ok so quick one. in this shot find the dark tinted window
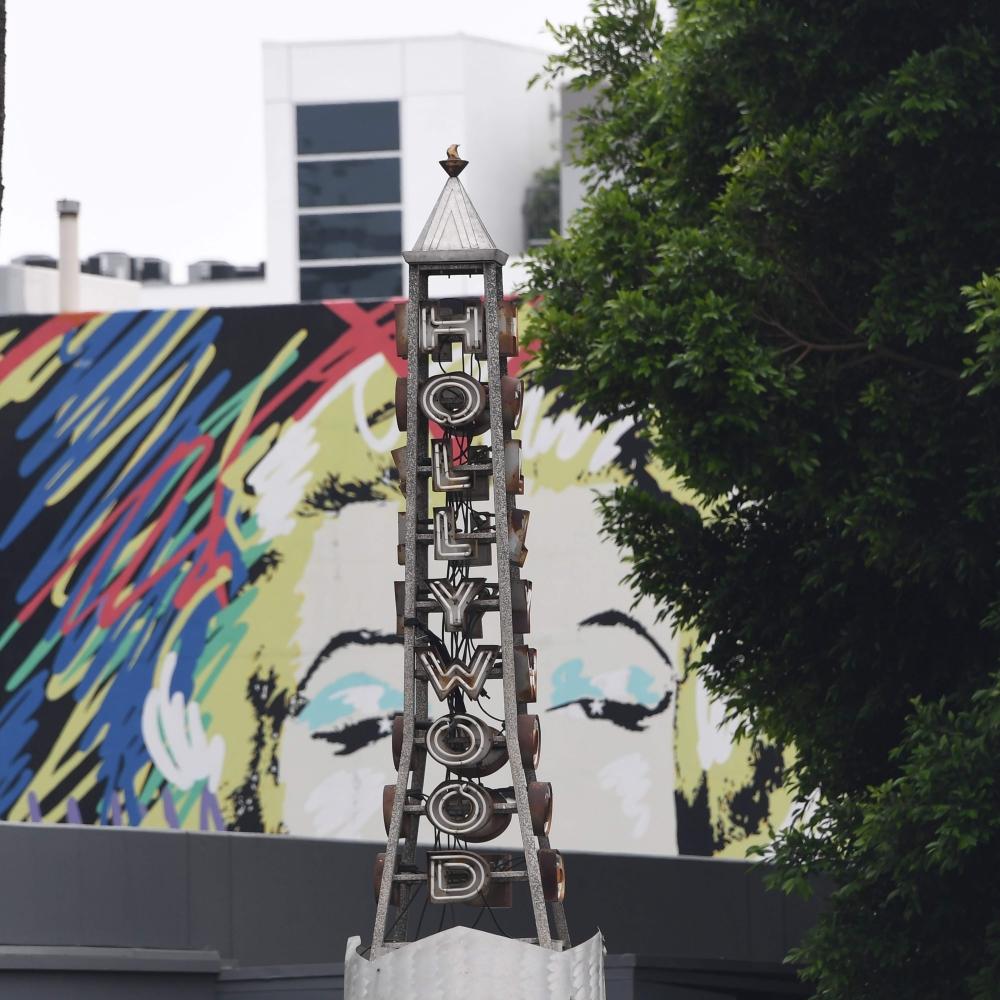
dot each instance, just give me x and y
(348, 128)
(350, 234)
(348, 182)
(357, 281)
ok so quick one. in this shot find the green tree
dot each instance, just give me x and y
(785, 267)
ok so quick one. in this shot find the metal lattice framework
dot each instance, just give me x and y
(464, 622)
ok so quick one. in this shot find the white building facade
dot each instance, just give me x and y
(353, 131)
(32, 289)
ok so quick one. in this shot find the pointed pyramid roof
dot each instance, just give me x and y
(454, 231)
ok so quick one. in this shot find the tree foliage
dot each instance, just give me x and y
(787, 268)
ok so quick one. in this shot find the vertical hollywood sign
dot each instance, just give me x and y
(463, 609)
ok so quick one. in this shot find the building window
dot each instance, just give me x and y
(348, 128)
(350, 194)
(355, 281)
(325, 183)
(349, 234)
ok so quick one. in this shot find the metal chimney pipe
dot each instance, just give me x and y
(69, 255)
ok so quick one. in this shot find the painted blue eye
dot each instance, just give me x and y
(348, 695)
(569, 683)
(640, 686)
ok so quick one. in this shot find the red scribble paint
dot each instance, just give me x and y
(57, 326)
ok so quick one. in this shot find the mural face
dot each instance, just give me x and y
(198, 543)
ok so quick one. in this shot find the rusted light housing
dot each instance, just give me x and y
(490, 764)
(520, 605)
(529, 739)
(525, 674)
(540, 807)
(514, 481)
(388, 798)
(511, 400)
(553, 872)
(508, 329)
(401, 337)
(399, 460)
(517, 531)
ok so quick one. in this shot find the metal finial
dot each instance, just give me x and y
(454, 165)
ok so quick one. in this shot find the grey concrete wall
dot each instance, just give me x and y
(99, 912)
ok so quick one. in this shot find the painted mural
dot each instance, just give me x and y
(197, 550)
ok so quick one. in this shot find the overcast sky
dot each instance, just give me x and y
(150, 113)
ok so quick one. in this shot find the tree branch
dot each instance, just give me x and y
(886, 353)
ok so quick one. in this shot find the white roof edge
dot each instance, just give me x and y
(402, 39)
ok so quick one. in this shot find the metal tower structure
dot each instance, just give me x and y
(463, 609)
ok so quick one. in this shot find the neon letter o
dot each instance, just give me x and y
(453, 400)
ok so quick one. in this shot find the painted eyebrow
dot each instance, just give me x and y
(613, 618)
(333, 494)
(358, 637)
